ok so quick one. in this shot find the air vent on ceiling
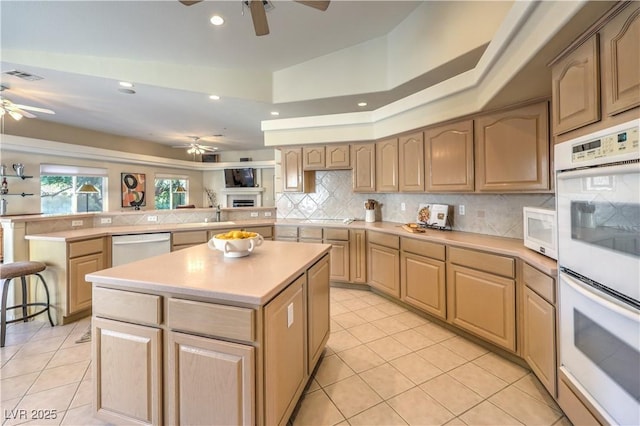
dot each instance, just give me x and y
(24, 75)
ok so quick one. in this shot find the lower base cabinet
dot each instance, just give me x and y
(210, 381)
(423, 283)
(539, 345)
(128, 371)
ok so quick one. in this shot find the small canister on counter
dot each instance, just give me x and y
(370, 210)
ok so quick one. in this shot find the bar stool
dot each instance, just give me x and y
(13, 270)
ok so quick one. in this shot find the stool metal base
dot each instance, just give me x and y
(24, 305)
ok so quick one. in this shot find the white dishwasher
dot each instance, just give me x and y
(129, 248)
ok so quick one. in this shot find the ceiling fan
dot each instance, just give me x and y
(17, 111)
(259, 15)
(196, 148)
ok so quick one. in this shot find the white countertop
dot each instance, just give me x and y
(202, 272)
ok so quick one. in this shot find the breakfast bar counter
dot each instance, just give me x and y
(194, 337)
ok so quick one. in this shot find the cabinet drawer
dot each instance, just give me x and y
(391, 241)
(336, 234)
(189, 237)
(127, 306)
(265, 231)
(286, 231)
(423, 248)
(310, 232)
(541, 283)
(80, 248)
(212, 319)
(491, 263)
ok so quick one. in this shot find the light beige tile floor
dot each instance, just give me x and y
(383, 365)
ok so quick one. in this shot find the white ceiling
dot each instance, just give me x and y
(176, 59)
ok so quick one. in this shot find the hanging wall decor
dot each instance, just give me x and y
(133, 190)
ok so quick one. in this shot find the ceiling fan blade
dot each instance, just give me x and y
(320, 5)
(34, 109)
(259, 17)
(24, 113)
(189, 2)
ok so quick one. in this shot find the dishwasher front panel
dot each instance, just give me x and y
(129, 248)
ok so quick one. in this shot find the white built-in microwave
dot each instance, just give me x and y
(540, 231)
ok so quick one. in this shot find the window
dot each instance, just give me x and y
(71, 189)
(171, 191)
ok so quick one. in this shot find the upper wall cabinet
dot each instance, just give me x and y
(363, 161)
(387, 165)
(411, 163)
(293, 177)
(621, 61)
(512, 150)
(326, 157)
(576, 88)
(449, 157)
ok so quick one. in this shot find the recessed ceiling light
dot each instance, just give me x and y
(275, 113)
(362, 104)
(214, 97)
(217, 20)
(126, 84)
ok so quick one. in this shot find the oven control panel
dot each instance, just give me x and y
(621, 142)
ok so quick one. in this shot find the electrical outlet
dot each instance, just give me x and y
(254, 214)
(267, 214)
(461, 209)
(403, 207)
(105, 220)
(77, 222)
(152, 218)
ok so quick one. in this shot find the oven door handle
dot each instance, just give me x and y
(601, 298)
(615, 169)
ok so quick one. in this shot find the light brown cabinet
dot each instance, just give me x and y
(387, 165)
(539, 326)
(512, 150)
(329, 157)
(130, 389)
(621, 61)
(411, 163)
(185, 239)
(317, 311)
(340, 253)
(576, 88)
(383, 256)
(210, 381)
(481, 295)
(423, 277)
(357, 256)
(294, 178)
(79, 288)
(313, 158)
(363, 161)
(449, 165)
(265, 231)
(284, 352)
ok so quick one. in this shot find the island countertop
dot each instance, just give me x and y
(202, 272)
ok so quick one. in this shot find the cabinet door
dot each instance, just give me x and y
(127, 372)
(512, 150)
(539, 342)
(292, 170)
(317, 310)
(423, 284)
(284, 352)
(449, 158)
(621, 61)
(339, 260)
(387, 165)
(79, 288)
(575, 88)
(411, 163)
(357, 256)
(337, 157)
(384, 269)
(364, 167)
(313, 158)
(482, 303)
(210, 381)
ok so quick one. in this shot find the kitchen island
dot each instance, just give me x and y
(193, 337)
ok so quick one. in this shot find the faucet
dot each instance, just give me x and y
(218, 213)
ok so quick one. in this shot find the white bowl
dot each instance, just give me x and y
(238, 247)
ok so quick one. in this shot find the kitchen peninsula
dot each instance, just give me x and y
(193, 337)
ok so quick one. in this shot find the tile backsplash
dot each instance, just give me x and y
(492, 214)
